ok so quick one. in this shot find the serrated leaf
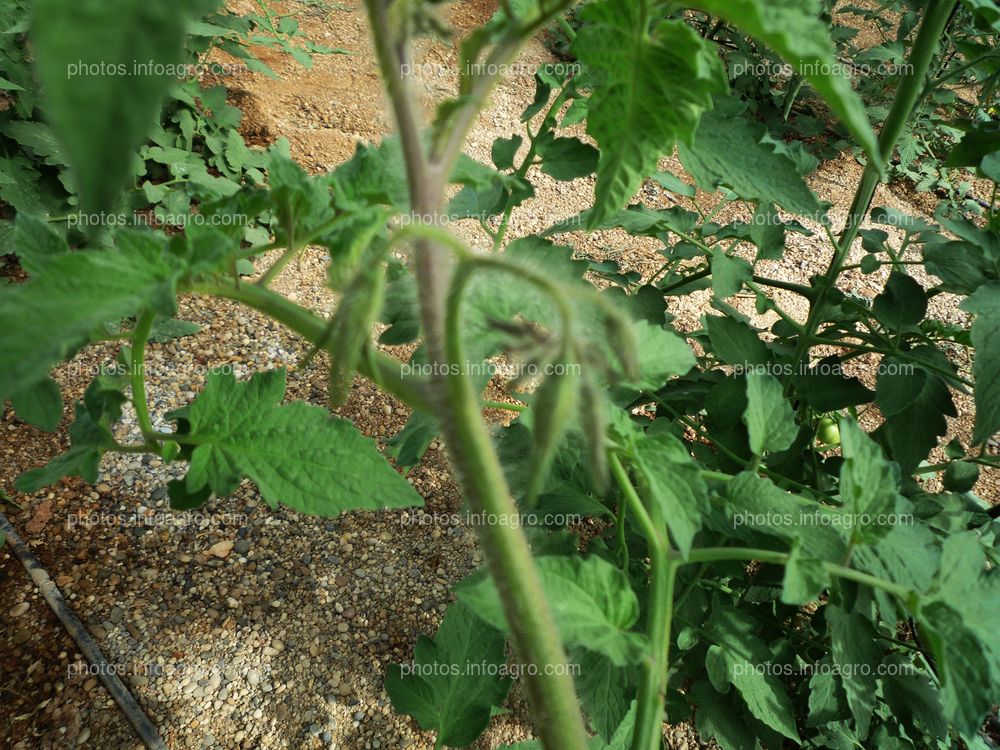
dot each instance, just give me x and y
(673, 481)
(857, 655)
(804, 578)
(448, 687)
(90, 436)
(759, 505)
(759, 174)
(408, 446)
(591, 600)
(735, 342)
(102, 118)
(653, 89)
(729, 273)
(297, 454)
(747, 659)
(794, 29)
(902, 303)
(36, 242)
(606, 690)
(719, 718)
(867, 485)
(914, 403)
(37, 327)
(168, 329)
(769, 417)
(985, 305)
(568, 158)
(40, 404)
(962, 266)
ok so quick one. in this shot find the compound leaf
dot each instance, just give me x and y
(297, 454)
(440, 690)
(654, 87)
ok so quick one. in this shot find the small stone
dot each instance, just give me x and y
(221, 549)
(116, 614)
(19, 609)
(83, 736)
(242, 546)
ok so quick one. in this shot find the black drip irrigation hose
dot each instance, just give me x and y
(88, 646)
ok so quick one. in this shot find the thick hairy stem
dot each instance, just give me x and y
(551, 693)
(536, 641)
(922, 54)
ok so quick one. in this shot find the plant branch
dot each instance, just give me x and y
(137, 371)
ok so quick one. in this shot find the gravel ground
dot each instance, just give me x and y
(239, 626)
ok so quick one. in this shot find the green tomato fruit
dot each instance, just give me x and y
(829, 432)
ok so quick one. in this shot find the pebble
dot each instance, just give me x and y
(19, 609)
(241, 546)
(221, 549)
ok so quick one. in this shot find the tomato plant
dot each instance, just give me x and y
(739, 576)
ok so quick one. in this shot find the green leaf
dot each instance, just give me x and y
(568, 158)
(857, 656)
(720, 718)
(826, 392)
(759, 174)
(167, 329)
(101, 105)
(504, 150)
(454, 682)
(410, 444)
(794, 29)
(735, 342)
(36, 242)
(592, 603)
(962, 266)
(903, 302)
(960, 476)
(40, 405)
(674, 482)
(769, 417)
(605, 690)
(748, 659)
(914, 403)
(907, 555)
(357, 311)
(661, 354)
(804, 578)
(867, 485)
(38, 329)
(729, 273)
(758, 505)
(297, 454)
(985, 305)
(653, 88)
(826, 698)
(90, 436)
